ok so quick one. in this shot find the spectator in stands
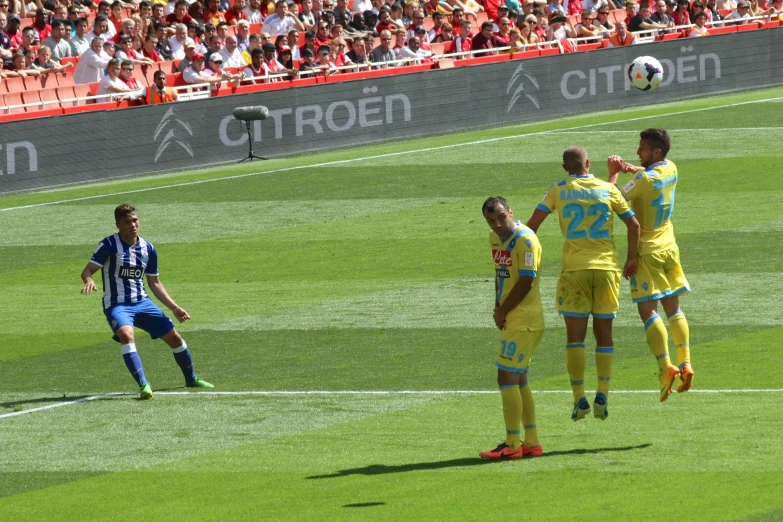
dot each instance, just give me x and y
(158, 92)
(243, 35)
(383, 53)
(115, 15)
(190, 50)
(540, 25)
(6, 47)
(99, 29)
(643, 22)
(699, 28)
(149, 49)
(337, 31)
(178, 41)
(126, 75)
(282, 21)
(280, 40)
(237, 13)
(358, 27)
(631, 10)
(128, 27)
(215, 68)
(371, 20)
(660, 16)
(559, 29)
(463, 43)
(112, 84)
(215, 45)
(270, 64)
(457, 16)
(358, 53)
(213, 15)
(712, 9)
(503, 32)
(109, 48)
(79, 42)
(285, 58)
(434, 6)
(486, 40)
(575, 7)
(384, 21)
(60, 48)
(28, 41)
(602, 23)
(253, 12)
(775, 12)
(681, 16)
(555, 8)
(622, 36)
(157, 14)
(12, 70)
(322, 35)
(293, 43)
(232, 56)
(306, 15)
(526, 32)
(61, 14)
(255, 68)
(414, 52)
(41, 26)
(513, 18)
(341, 8)
(360, 6)
(197, 74)
(742, 14)
(196, 33)
(515, 42)
(222, 30)
(395, 15)
(594, 6)
(180, 14)
(418, 21)
(309, 43)
(446, 33)
(697, 7)
(585, 27)
(491, 8)
(308, 67)
(127, 52)
(338, 56)
(45, 64)
(163, 48)
(472, 6)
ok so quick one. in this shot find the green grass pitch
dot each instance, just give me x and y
(365, 273)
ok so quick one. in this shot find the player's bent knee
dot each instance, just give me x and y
(125, 334)
(173, 339)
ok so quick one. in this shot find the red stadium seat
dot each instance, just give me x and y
(551, 51)
(13, 85)
(588, 46)
(64, 79)
(750, 26)
(256, 28)
(81, 92)
(70, 59)
(66, 96)
(444, 63)
(671, 36)
(13, 98)
(533, 53)
(618, 15)
(722, 30)
(438, 48)
(32, 97)
(50, 95)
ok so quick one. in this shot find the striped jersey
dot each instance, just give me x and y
(651, 194)
(123, 268)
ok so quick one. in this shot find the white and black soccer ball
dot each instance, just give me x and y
(645, 73)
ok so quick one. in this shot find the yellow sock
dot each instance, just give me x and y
(512, 414)
(529, 416)
(604, 357)
(575, 358)
(658, 340)
(681, 335)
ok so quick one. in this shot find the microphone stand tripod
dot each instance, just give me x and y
(250, 155)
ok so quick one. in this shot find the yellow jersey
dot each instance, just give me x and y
(519, 255)
(651, 194)
(584, 206)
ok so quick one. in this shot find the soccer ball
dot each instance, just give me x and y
(645, 73)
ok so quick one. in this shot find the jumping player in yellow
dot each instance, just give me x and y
(659, 277)
(590, 277)
(520, 319)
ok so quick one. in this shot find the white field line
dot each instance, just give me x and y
(355, 392)
(391, 154)
(732, 129)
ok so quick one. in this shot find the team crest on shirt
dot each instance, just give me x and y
(528, 243)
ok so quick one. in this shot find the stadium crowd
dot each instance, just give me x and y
(251, 41)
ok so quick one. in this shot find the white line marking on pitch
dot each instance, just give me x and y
(349, 392)
(390, 154)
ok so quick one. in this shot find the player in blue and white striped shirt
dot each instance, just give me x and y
(124, 259)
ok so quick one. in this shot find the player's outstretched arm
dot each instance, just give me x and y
(634, 233)
(89, 284)
(159, 291)
(536, 219)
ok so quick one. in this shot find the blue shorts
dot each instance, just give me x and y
(145, 315)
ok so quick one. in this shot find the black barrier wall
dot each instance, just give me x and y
(90, 146)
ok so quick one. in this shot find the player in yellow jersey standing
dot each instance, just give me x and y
(520, 319)
(660, 277)
(589, 281)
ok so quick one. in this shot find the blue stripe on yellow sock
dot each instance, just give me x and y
(604, 350)
(650, 321)
(684, 364)
(512, 432)
(669, 316)
(506, 386)
(577, 383)
(662, 356)
(530, 426)
(575, 345)
(604, 378)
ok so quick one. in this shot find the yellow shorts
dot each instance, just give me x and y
(659, 276)
(516, 349)
(584, 292)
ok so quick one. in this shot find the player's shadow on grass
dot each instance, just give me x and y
(382, 469)
(24, 402)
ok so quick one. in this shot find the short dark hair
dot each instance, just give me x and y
(158, 74)
(492, 203)
(486, 25)
(57, 23)
(123, 210)
(658, 139)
